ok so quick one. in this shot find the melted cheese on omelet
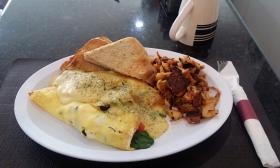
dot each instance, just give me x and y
(123, 94)
(116, 131)
(76, 97)
(93, 87)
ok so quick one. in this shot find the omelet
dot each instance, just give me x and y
(104, 106)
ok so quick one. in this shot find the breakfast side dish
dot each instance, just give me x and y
(113, 93)
(185, 89)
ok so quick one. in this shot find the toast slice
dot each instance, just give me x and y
(77, 61)
(126, 56)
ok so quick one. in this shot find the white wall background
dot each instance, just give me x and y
(262, 18)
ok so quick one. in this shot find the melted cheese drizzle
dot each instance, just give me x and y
(122, 93)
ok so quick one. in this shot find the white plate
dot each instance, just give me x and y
(61, 138)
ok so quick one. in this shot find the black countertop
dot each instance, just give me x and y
(40, 31)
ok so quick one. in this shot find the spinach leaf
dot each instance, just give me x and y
(162, 115)
(141, 140)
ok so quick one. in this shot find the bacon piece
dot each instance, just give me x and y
(193, 117)
(197, 100)
(187, 108)
(177, 82)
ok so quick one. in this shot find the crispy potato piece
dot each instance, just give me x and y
(209, 107)
(174, 114)
(161, 85)
(162, 75)
(166, 67)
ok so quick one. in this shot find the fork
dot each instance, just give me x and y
(247, 113)
(221, 64)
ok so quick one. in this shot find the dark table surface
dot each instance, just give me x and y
(33, 33)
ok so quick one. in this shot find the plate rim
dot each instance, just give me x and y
(137, 155)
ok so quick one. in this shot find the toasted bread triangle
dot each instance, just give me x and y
(77, 61)
(126, 56)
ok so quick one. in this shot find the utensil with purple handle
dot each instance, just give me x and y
(247, 113)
